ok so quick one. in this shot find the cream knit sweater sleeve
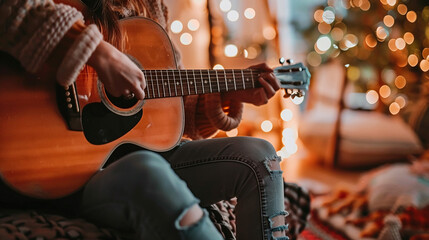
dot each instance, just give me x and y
(31, 29)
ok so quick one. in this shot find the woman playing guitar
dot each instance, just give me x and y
(154, 191)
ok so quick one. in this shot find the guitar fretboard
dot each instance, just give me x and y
(173, 83)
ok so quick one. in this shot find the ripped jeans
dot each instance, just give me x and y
(147, 193)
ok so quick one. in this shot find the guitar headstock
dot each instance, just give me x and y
(294, 78)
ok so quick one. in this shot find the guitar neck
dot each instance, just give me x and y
(174, 83)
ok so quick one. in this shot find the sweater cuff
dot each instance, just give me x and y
(206, 115)
(78, 54)
(223, 115)
(46, 38)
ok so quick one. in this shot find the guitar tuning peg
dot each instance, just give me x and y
(282, 60)
(288, 93)
(289, 61)
(298, 93)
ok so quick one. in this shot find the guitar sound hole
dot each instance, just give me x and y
(122, 102)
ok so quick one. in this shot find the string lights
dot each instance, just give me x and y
(373, 37)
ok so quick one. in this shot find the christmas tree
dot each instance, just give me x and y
(383, 43)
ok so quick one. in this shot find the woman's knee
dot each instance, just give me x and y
(137, 169)
(258, 151)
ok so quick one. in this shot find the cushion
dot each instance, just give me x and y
(367, 138)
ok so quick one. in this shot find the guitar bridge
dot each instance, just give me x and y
(68, 106)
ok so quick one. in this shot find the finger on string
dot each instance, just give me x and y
(274, 81)
(268, 88)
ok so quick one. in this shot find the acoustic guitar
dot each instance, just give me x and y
(53, 139)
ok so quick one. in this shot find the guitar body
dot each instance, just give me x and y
(41, 157)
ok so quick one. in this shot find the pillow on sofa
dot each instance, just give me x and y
(367, 138)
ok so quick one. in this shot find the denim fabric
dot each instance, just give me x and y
(147, 192)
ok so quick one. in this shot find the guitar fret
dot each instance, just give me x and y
(210, 83)
(202, 81)
(157, 85)
(217, 80)
(233, 76)
(181, 83)
(168, 83)
(177, 83)
(226, 82)
(242, 75)
(253, 80)
(163, 84)
(187, 80)
(195, 82)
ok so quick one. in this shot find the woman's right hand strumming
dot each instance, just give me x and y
(120, 76)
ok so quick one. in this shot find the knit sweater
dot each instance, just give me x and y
(40, 32)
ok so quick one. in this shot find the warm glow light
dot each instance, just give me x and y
(381, 33)
(425, 53)
(269, 33)
(186, 38)
(232, 133)
(231, 50)
(176, 26)
(314, 59)
(193, 24)
(218, 67)
(267, 126)
(291, 148)
(225, 5)
(385, 91)
(286, 115)
(353, 73)
(297, 100)
(199, 2)
(394, 108)
(249, 13)
(392, 45)
(318, 15)
(366, 5)
(400, 82)
(401, 101)
(245, 53)
(413, 60)
(409, 38)
(324, 28)
(388, 21)
(370, 41)
(356, 3)
(351, 40)
(337, 34)
(328, 16)
(290, 134)
(371, 97)
(391, 2)
(252, 52)
(323, 43)
(400, 43)
(232, 15)
(424, 65)
(411, 16)
(402, 9)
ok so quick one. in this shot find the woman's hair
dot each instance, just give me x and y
(106, 14)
